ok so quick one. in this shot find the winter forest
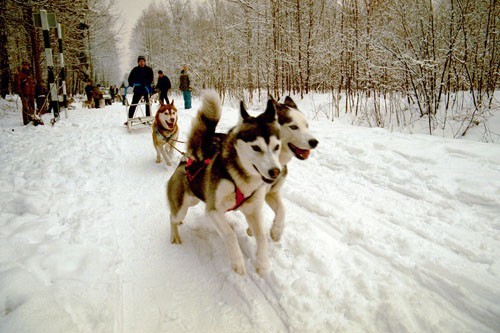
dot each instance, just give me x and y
(383, 62)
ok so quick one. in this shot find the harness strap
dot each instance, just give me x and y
(193, 168)
(240, 199)
(161, 134)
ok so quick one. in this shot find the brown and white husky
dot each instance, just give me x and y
(165, 132)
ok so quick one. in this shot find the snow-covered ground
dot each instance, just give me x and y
(385, 232)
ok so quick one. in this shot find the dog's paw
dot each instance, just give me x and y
(262, 269)
(239, 268)
(175, 239)
(276, 233)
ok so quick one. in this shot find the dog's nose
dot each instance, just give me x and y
(274, 173)
(313, 143)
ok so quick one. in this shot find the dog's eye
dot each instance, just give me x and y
(277, 148)
(256, 148)
(294, 127)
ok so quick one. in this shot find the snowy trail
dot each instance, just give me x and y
(385, 232)
(142, 233)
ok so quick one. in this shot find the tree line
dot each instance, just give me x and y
(425, 52)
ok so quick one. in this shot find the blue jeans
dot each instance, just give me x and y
(186, 94)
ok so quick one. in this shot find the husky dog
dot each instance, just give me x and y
(235, 173)
(165, 132)
(88, 104)
(296, 141)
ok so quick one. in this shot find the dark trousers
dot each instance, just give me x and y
(135, 99)
(96, 103)
(163, 98)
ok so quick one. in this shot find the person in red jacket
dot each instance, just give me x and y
(24, 86)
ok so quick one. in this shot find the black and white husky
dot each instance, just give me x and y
(232, 171)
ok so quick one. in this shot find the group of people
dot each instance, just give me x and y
(113, 92)
(141, 79)
(95, 94)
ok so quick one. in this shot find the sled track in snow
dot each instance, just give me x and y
(264, 285)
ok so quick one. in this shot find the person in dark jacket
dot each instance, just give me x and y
(163, 85)
(97, 96)
(88, 91)
(141, 78)
(185, 87)
(24, 85)
(123, 94)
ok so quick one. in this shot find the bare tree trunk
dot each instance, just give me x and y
(299, 47)
(4, 55)
(309, 41)
(276, 37)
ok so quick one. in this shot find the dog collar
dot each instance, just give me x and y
(161, 134)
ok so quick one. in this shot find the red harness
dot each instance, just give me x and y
(193, 168)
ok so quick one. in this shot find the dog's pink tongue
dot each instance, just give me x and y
(303, 153)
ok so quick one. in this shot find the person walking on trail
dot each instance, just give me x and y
(88, 91)
(141, 78)
(112, 92)
(185, 87)
(97, 96)
(24, 86)
(122, 93)
(163, 85)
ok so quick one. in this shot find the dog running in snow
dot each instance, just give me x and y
(165, 132)
(232, 171)
(296, 141)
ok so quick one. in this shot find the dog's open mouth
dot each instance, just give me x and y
(168, 124)
(266, 180)
(301, 154)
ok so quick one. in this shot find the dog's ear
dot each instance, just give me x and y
(172, 103)
(243, 112)
(290, 103)
(270, 112)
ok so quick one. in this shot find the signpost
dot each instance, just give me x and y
(63, 72)
(46, 21)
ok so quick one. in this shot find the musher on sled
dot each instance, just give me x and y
(141, 78)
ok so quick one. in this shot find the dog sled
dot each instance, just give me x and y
(142, 120)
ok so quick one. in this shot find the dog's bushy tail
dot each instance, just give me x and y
(202, 139)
